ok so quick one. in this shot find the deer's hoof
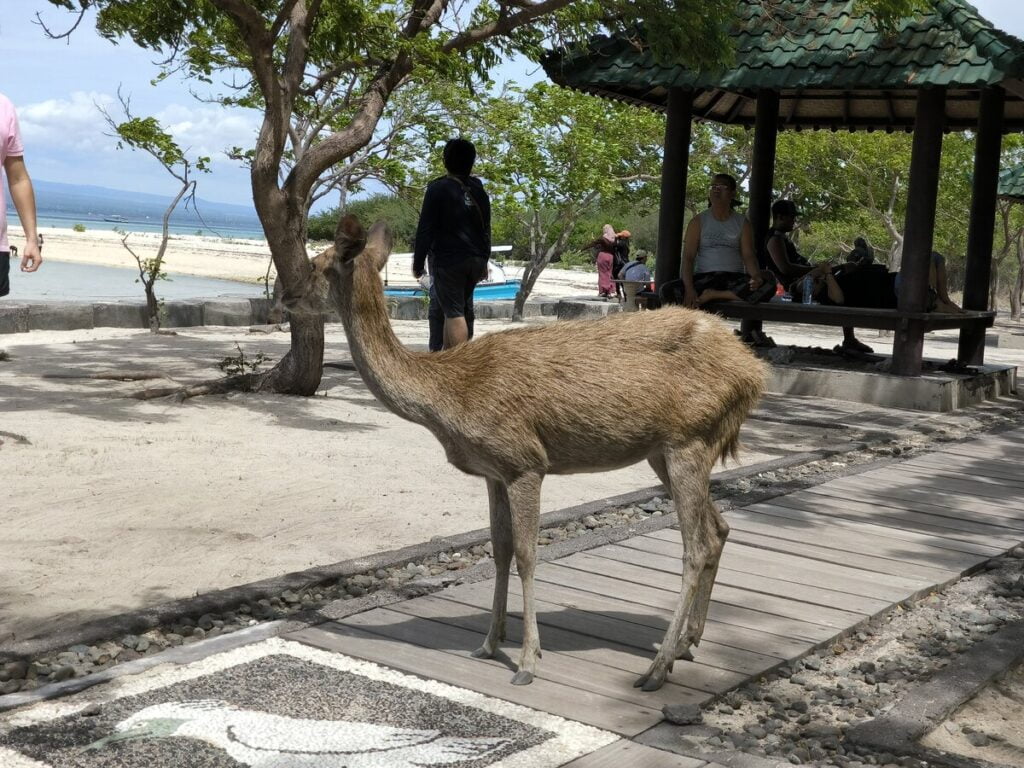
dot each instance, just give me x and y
(649, 681)
(686, 655)
(522, 677)
(483, 652)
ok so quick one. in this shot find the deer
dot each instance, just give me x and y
(515, 405)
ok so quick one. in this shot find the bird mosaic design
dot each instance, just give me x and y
(263, 740)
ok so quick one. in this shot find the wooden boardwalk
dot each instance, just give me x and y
(797, 572)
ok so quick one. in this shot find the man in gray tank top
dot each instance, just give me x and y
(718, 253)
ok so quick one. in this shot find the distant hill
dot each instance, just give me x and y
(92, 202)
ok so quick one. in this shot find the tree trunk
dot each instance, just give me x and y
(299, 372)
(1016, 295)
(993, 290)
(152, 307)
(530, 275)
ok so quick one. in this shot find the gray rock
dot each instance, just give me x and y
(978, 739)
(11, 686)
(63, 673)
(683, 714)
(16, 670)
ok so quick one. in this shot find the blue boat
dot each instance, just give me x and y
(503, 291)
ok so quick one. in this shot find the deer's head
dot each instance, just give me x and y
(356, 249)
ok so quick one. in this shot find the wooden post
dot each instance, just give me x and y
(674, 166)
(980, 231)
(919, 227)
(762, 169)
(762, 179)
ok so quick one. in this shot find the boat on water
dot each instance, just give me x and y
(505, 290)
(116, 218)
(496, 287)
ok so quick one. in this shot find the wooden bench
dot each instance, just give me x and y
(856, 317)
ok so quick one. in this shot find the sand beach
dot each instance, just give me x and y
(241, 260)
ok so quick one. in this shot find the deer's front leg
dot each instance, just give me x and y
(501, 542)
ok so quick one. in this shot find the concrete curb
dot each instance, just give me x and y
(21, 317)
(928, 704)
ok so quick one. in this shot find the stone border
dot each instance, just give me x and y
(22, 317)
(930, 703)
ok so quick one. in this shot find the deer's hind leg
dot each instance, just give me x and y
(688, 470)
(501, 542)
(524, 499)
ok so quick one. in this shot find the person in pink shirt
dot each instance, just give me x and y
(12, 160)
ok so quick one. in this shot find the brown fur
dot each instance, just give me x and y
(672, 387)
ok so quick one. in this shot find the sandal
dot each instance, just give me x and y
(854, 345)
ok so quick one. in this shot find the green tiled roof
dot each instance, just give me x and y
(1011, 183)
(830, 64)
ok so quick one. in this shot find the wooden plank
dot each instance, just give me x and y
(860, 317)
(765, 630)
(620, 631)
(962, 482)
(916, 489)
(885, 520)
(825, 573)
(606, 666)
(485, 676)
(970, 464)
(664, 578)
(757, 578)
(760, 536)
(992, 527)
(629, 754)
(837, 532)
(665, 588)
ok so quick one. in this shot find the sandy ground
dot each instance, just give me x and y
(242, 260)
(998, 711)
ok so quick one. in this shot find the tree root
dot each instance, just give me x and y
(243, 382)
(110, 375)
(19, 439)
(344, 365)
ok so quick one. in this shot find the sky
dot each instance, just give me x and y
(56, 85)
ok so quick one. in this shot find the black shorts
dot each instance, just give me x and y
(738, 283)
(5, 272)
(453, 284)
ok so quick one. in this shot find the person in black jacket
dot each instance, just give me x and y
(454, 234)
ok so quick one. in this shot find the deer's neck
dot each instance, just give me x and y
(395, 376)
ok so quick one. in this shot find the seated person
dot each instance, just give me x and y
(637, 271)
(938, 286)
(718, 254)
(788, 263)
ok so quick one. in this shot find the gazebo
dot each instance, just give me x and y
(822, 64)
(1011, 184)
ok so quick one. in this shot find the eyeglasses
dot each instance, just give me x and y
(720, 188)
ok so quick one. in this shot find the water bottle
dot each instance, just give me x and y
(807, 290)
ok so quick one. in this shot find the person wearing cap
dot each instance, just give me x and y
(637, 271)
(791, 266)
(786, 261)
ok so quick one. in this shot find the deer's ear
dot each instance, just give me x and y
(349, 237)
(379, 242)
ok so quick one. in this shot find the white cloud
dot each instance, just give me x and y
(76, 124)
(66, 124)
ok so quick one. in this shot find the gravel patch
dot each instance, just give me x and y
(802, 713)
